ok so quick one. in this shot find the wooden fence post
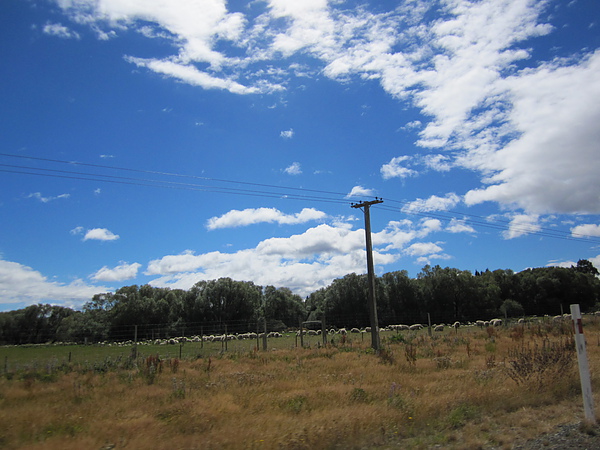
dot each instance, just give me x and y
(265, 334)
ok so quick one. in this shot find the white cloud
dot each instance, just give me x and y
(236, 218)
(433, 203)
(552, 166)
(459, 226)
(288, 134)
(293, 169)
(191, 75)
(586, 230)
(394, 169)
(521, 225)
(439, 163)
(303, 262)
(22, 284)
(100, 234)
(423, 248)
(121, 272)
(77, 230)
(530, 133)
(42, 199)
(58, 30)
(359, 191)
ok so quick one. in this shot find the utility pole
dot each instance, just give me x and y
(364, 206)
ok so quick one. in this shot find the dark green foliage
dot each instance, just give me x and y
(445, 295)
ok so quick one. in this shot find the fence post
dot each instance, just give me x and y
(324, 331)
(265, 334)
(429, 324)
(301, 335)
(584, 370)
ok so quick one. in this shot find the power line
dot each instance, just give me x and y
(266, 191)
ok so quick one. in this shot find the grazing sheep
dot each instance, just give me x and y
(438, 328)
(354, 330)
(456, 325)
(496, 322)
(415, 327)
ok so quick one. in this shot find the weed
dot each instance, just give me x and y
(410, 352)
(534, 367)
(460, 415)
(490, 346)
(61, 429)
(484, 376)
(174, 363)
(296, 404)
(152, 368)
(359, 395)
(442, 362)
(517, 333)
(386, 356)
(398, 339)
(178, 388)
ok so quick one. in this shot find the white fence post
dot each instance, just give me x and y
(584, 370)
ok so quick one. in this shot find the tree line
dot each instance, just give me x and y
(441, 295)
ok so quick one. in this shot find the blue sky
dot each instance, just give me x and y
(172, 142)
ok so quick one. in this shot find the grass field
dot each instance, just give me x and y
(466, 388)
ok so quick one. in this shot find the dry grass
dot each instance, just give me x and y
(453, 391)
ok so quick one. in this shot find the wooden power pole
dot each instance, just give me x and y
(370, 271)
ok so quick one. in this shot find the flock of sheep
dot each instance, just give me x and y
(330, 332)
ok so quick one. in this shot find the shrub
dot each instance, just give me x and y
(537, 366)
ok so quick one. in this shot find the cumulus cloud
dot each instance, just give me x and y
(22, 284)
(459, 226)
(293, 169)
(439, 163)
(521, 225)
(586, 230)
(433, 203)
(552, 166)
(250, 216)
(423, 248)
(529, 133)
(123, 271)
(303, 262)
(395, 169)
(359, 191)
(99, 234)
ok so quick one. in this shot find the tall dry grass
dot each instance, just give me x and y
(453, 389)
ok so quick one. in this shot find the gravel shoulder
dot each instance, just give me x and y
(569, 436)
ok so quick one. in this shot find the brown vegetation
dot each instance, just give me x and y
(466, 389)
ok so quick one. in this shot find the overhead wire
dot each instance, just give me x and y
(274, 191)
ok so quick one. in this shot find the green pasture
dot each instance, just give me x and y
(23, 357)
